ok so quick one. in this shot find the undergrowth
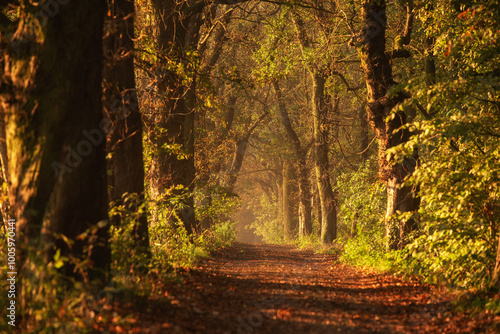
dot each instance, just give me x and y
(53, 303)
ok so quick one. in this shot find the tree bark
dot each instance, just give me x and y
(287, 205)
(4, 176)
(495, 281)
(317, 208)
(56, 136)
(326, 195)
(305, 210)
(319, 110)
(124, 142)
(236, 163)
(218, 41)
(172, 172)
(377, 71)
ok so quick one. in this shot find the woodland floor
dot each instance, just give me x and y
(252, 288)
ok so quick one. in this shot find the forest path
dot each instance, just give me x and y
(254, 288)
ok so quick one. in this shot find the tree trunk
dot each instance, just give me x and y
(287, 205)
(4, 175)
(279, 195)
(172, 172)
(400, 199)
(495, 281)
(121, 107)
(305, 211)
(240, 149)
(377, 71)
(316, 206)
(363, 134)
(305, 207)
(326, 196)
(319, 110)
(55, 135)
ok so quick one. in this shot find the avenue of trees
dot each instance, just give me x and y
(371, 123)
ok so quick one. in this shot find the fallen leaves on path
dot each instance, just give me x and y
(252, 288)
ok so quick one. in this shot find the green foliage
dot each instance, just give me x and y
(459, 176)
(362, 201)
(123, 238)
(46, 300)
(367, 250)
(360, 221)
(277, 56)
(221, 205)
(55, 303)
(314, 243)
(172, 246)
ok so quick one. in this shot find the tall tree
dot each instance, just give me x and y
(51, 102)
(305, 221)
(122, 109)
(386, 121)
(171, 132)
(319, 75)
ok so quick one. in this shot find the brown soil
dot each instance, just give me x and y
(252, 288)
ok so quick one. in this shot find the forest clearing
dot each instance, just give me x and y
(249, 166)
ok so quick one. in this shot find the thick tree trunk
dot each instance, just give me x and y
(122, 109)
(326, 195)
(56, 136)
(400, 199)
(377, 71)
(172, 171)
(305, 210)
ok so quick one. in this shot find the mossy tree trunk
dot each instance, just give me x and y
(56, 134)
(376, 65)
(171, 126)
(325, 191)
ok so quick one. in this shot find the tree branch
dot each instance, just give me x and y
(409, 23)
(344, 80)
(254, 125)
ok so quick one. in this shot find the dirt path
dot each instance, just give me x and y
(276, 289)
